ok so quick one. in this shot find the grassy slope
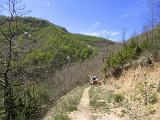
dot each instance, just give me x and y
(67, 104)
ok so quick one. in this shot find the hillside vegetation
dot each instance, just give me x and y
(45, 43)
(47, 62)
(146, 44)
(132, 79)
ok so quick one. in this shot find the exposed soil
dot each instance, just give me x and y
(84, 112)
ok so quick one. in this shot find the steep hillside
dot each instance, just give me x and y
(45, 43)
(47, 62)
(46, 47)
(139, 88)
(146, 44)
(132, 78)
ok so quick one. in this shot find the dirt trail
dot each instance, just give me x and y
(84, 112)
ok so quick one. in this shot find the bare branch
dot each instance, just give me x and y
(2, 82)
(154, 7)
(124, 41)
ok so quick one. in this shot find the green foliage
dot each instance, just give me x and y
(153, 98)
(61, 117)
(147, 44)
(67, 103)
(115, 97)
(147, 91)
(47, 44)
(97, 104)
(110, 97)
(118, 98)
(28, 106)
(151, 109)
(38, 56)
(42, 45)
(98, 99)
(149, 41)
(129, 52)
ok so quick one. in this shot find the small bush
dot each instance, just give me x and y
(115, 97)
(117, 72)
(147, 92)
(61, 117)
(118, 98)
(29, 106)
(97, 104)
(93, 102)
(129, 52)
(151, 109)
(153, 98)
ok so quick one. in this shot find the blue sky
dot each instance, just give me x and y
(105, 18)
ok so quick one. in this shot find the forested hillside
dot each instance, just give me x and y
(47, 44)
(44, 68)
(47, 61)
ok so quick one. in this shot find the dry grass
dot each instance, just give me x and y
(66, 104)
(105, 100)
(98, 99)
(139, 85)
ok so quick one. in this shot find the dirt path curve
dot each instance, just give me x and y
(83, 112)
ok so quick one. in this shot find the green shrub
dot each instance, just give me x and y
(118, 98)
(151, 109)
(151, 41)
(147, 91)
(129, 52)
(28, 106)
(61, 117)
(153, 98)
(97, 104)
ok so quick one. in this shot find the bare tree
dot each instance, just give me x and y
(124, 41)
(10, 35)
(154, 19)
(152, 9)
(158, 9)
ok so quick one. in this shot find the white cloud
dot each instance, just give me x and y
(125, 15)
(94, 26)
(90, 33)
(97, 24)
(103, 33)
(115, 33)
(97, 29)
(48, 3)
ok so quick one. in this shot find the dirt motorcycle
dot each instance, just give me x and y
(94, 82)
